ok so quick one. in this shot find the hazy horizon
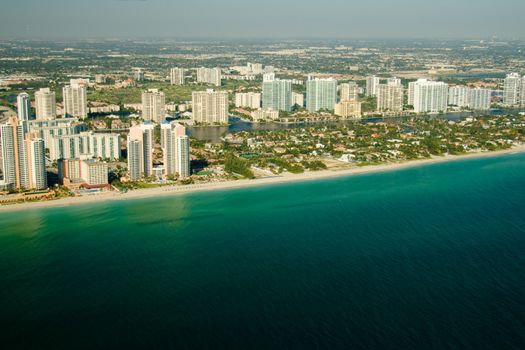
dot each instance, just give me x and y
(271, 19)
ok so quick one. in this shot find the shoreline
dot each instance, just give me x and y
(237, 184)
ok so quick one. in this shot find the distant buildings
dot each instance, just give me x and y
(140, 151)
(321, 94)
(75, 100)
(138, 75)
(209, 76)
(248, 99)
(430, 96)
(100, 79)
(465, 97)
(479, 99)
(177, 76)
(277, 93)
(349, 91)
(175, 149)
(250, 69)
(390, 97)
(297, 99)
(45, 103)
(512, 89)
(458, 96)
(210, 107)
(393, 81)
(348, 109)
(153, 105)
(371, 85)
(265, 114)
(23, 157)
(255, 68)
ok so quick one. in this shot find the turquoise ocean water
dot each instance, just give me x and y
(431, 257)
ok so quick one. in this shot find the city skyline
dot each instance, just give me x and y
(238, 19)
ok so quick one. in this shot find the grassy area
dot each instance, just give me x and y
(173, 93)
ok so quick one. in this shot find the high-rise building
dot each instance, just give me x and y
(183, 156)
(140, 151)
(175, 149)
(411, 88)
(371, 84)
(85, 145)
(23, 105)
(276, 93)
(45, 103)
(23, 157)
(430, 96)
(210, 107)
(389, 98)
(479, 99)
(463, 96)
(14, 154)
(321, 94)
(36, 162)
(511, 89)
(75, 100)
(209, 76)
(153, 105)
(105, 145)
(177, 76)
(248, 99)
(135, 159)
(48, 129)
(522, 91)
(458, 96)
(349, 91)
(348, 109)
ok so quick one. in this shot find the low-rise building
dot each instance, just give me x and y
(348, 109)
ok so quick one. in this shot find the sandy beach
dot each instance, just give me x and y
(234, 184)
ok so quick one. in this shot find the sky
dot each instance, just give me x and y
(345, 19)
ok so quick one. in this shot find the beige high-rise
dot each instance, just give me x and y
(177, 76)
(75, 100)
(210, 107)
(45, 103)
(153, 105)
(23, 157)
(389, 98)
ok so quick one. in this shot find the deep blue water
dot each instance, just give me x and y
(431, 257)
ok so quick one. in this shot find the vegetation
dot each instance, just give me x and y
(236, 165)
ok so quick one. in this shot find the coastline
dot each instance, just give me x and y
(236, 184)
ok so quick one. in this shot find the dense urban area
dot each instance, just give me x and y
(91, 117)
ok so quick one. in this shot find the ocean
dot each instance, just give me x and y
(430, 257)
